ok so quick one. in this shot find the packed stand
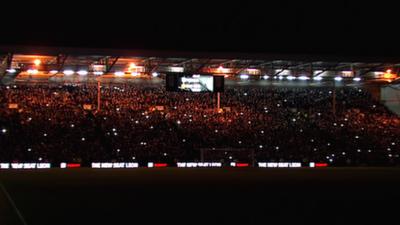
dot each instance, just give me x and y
(53, 123)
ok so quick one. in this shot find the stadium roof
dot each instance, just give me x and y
(46, 50)
(146, 62)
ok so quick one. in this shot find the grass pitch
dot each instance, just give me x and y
(200, 196)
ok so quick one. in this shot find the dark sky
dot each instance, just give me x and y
(337, 27)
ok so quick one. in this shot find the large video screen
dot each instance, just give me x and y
(194, 83)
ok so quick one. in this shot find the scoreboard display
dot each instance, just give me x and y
(194, 83)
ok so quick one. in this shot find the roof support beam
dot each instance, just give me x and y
(370, 69)
(184, 62)
(283, 69)
(109, 65)
(61, 61)
(243, 68)
(200, 68)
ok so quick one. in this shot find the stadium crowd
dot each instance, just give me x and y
(61, 123)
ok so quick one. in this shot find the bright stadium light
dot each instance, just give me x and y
(132, 65)
(253, 71)
(32, 71)
(356, 79)
(154, 74)
(68, 72)
(388, 74)
(221, 69)
(244, 76)
(119, 73)
(37, 62)
(317, 78)
(291, 77)
(82, 72)
(99, 73)
(338, 78)
(304, 78)
(176, 69)
(11, 70)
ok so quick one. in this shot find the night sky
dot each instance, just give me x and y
(335, 28)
